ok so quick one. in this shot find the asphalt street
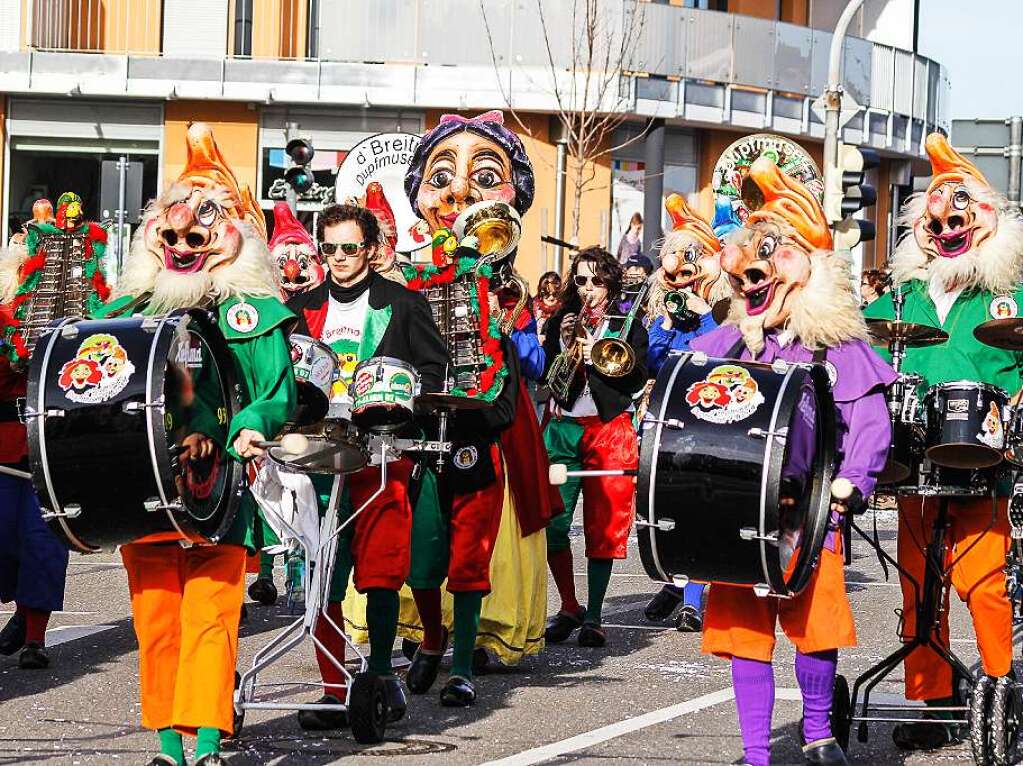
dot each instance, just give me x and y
(648, 697)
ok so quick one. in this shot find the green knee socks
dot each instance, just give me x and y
(266, 566)
(382, 621)
(598, 575)
(171, 745)
(208, 741)
(467, 625)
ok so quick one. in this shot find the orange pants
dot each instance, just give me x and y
(186, 603)
(978, 578)
(738, 623)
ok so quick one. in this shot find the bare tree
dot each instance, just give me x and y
(585, 80)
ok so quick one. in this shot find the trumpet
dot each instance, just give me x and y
(563, 378)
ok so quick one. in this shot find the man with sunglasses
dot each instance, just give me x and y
(360, 315)
(592, 431)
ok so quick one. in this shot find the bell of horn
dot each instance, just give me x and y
(496, 226)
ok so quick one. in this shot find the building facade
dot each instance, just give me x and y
(83, 81)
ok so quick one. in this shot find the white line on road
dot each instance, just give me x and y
(66, 633)
(611, 731)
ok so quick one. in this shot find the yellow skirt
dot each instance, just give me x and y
(514, 614)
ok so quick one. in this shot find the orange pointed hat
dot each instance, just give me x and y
(684, 219)
(207, 168)
(948, 164)
(789, 203)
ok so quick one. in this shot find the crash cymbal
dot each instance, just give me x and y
(886, 331)
(440, 401)
(1001, 333)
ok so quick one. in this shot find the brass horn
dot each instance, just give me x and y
(496, 226)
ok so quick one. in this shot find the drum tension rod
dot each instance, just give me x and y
(153, 505)
(749, 533)
(663, 525)
(760, 433)
(70, 511)
(130, 408)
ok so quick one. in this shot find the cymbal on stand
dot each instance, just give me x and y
(1001, 333)
(442, 401)
(886, 331)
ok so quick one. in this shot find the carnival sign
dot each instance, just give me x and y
(383, 160)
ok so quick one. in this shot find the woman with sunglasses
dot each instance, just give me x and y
(360, 315)
(593, 431)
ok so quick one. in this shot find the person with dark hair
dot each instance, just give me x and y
(631, 244)
(873, 284)
(548, 300)
(591, 429)
(361, 315)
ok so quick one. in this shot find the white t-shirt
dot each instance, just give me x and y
(342, 331)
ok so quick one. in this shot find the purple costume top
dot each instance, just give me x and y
(863, 431)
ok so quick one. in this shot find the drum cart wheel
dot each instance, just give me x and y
(367, 708)
(980, 721)
(1006, 719)
(841, 712)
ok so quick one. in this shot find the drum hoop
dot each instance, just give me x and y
(314, 342)
(969, 385)
(772, 469)
(679, 363)
(393, 361)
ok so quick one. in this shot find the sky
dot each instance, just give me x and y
(980, 43)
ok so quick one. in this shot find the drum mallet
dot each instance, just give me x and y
(291, 444)
(842, 489)
(15, 473)
(558, 473)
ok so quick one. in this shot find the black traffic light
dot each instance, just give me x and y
(299, 177)
(848, 192)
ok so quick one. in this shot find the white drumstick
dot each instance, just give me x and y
(558, 473)
(841, 489)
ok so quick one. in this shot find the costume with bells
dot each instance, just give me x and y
(186, 602)
(787, 254)
(958, 268)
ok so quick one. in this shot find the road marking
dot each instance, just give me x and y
(605, 733)
(67, 633)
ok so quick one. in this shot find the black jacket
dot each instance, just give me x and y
(611, 395)
(411, 335)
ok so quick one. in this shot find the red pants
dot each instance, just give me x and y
(382, 534)
(978, 578)
(738, 623)
(186, 604)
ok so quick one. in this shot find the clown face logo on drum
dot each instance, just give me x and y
(401, 385)
(99, 371)
(728, 394)
(991, 432)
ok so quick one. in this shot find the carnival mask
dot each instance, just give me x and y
(69, 211)
(294, 252)
(690, 256)
(195, 233)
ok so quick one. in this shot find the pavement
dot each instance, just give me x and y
(648, 697)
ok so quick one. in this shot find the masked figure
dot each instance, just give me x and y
(960, 267)
(294, 251)
(794, 301)
(203, 243)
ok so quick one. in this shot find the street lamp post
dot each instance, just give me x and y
(834, 90)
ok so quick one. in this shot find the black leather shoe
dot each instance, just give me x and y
(562, 625)
(210, 759)
(162, 760)
(33, 657)
(263, 591)
(824, 752)
(323, 720)
(12, 637)
(424, 668)
(928, 735)
(689, 620)
(397, 704)
(662, 605)
(458, 692)
(592, 636)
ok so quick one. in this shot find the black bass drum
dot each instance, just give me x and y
(110, 406)
(725, 441)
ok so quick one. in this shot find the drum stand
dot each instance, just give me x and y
(364, 695)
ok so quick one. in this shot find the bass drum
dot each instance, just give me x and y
(725, 441)
(110, 406)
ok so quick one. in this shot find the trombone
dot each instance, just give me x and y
(611, 355)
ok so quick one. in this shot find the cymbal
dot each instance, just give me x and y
(886, 331)
(440, 401)
(1001, 333)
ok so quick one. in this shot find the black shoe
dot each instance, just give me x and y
(662, 605)
(210, 759)
(824, 752)
(33, 657)
(12, 637)
(562, 625)
(323, 720)
(424, 668)
(397, 704)
(162, 760)
(592, 636)
(927, 735)
(263, 591)
(689, 620)
(458, 692)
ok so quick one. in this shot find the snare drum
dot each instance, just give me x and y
(109, 405)
(724, 441)
(316, 368)
(906, 449)
(383, 393)
(965, 427)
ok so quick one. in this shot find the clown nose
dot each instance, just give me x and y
(291, 270)
(294, 444)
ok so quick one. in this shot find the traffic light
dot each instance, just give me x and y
(846, 192)
(299, 177)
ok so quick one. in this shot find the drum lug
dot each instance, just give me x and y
(55, 413)
(761, 590)
(698, 358)
(70, 511)
(662, 525)
(674, 423)
(133, 407)
(780, 366)
(749, 533)
(150, 323)
(153, 505)
(759, 433)
(69, 331)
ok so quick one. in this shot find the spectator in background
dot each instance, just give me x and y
(631, 244)
(873, 284)
(638, 269)
(548, 300)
